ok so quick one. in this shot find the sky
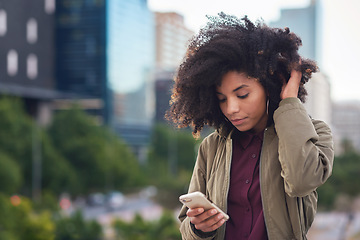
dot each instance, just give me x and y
(340, 53)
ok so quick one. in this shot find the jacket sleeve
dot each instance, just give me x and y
(306, 150)
(197, 183)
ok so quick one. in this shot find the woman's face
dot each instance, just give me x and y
(243, 101)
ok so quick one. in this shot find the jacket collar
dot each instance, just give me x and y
(226, 132)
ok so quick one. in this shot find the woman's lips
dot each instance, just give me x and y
(236, 122)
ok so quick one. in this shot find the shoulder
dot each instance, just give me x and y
(213, 139)
(289, 104)
(212, 142)
(319, 123)
(321, 127)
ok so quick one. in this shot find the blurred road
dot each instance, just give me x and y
(133, 205)
(335, 226)
(326, 226)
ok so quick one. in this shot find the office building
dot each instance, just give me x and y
(163, 86)
(106, 51)
(318, 102)
(81, 52)
(172, 38)
(346, 124)
(306, 23)
(26, 54)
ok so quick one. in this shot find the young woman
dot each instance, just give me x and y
(266, 158)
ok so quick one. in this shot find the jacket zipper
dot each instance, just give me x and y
(260, 179)
(226, 191)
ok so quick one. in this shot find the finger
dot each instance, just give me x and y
(295, 78)
(291, 88)
(215, 226)
(295, 74)
(203, 216)
(212, 223)
(194, 212)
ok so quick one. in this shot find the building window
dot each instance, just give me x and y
(12, 62)
(2, 22)
(31, 31)
(32, 66)
(90, 46)
(49, 6)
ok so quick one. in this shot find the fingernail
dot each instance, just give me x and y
(213, 211)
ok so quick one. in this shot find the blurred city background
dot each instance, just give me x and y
(85, 152)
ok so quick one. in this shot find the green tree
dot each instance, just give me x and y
(18, 135)
(18, 221)
(346, 172)
(76, 228)
(58, 175)
(101, 160)
(171, 160)
(10, 175)
(122, 169)
(168, 144)
(166, 228)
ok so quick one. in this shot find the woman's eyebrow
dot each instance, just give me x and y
(236, 89)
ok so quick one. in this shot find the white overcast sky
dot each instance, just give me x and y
(341, 31)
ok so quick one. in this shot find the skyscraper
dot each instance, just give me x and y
(131, 61)
(172, 37)
(106, 50)
(81, 50)
(306, 23)
(26, 54)
(346, 117)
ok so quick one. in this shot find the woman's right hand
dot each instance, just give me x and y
(205, 221)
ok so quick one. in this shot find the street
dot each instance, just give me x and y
(326, 226)
(133, 205)
(335, 226)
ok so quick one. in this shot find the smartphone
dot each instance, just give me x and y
(197, 200)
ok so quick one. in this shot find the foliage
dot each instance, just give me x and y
(76, 228)
(101, 160)
(346, 172)
(48, 202)
(10, 174)
(18, 221)
(19, 136)
(168, 144)
(58, 175)
(171, 160)
(75, 154)
(164, 229)
(16, 136)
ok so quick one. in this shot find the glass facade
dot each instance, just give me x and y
(80, 47)
(106, 50)
(303, 22)
(131, 60)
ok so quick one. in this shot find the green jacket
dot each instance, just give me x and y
(296, 158)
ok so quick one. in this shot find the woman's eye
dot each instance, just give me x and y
(222, 100)
(243, 96)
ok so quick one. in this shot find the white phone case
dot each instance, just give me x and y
(198, 199)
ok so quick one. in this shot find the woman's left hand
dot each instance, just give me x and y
(291, 88)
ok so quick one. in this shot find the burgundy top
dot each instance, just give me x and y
(244, 199)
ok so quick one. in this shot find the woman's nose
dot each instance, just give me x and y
(233, 106)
